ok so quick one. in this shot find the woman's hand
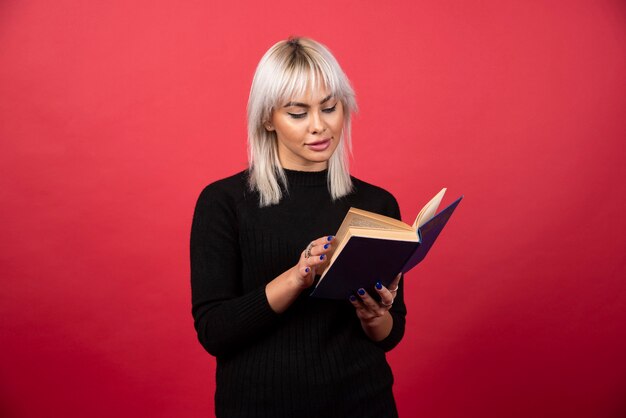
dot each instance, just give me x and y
(373, 314)
(313, 260)
(283, 290)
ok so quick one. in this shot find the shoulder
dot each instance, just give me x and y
(232, 187)
(226, 193)
(374, 198)
(216, 210)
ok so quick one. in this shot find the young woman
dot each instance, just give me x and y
(260, 238)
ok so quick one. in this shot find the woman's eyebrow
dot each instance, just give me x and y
(298, 104)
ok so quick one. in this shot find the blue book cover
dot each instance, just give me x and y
(364, 260)
(428, 234)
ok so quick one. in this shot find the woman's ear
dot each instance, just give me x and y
(268, 126)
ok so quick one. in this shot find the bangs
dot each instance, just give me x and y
(302, 73)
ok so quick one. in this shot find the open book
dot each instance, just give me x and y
(370, 247)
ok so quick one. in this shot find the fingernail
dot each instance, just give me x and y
(352, 298)
(330, 238)
(379, 285)
(322, 257)
(306, 270)
(361, 291)
(326, 246)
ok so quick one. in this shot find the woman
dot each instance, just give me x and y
(259, 239)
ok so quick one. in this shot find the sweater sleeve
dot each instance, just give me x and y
(225, 318)
(398, 310)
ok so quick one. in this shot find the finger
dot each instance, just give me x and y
(322, 243)
(361, 311)
(319, 246)
(316, 260)
(321, 249)
(313, 262)
(305, 272)
(393, 286)
(370, 303)
(355, 302)
(386, 296)
(324, 240)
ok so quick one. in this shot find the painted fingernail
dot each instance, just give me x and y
(326, 246)
(361, 291)
(352, 298)
(306, 270)
(322, 257)
(379, 285)
(330, 238)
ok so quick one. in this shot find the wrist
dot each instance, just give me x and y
(283, 290)
(378, 328)
(375, 321)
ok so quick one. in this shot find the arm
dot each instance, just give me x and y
(226, 318)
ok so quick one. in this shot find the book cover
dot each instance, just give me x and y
(364, 260)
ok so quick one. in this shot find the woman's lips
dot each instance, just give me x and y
(319, 145)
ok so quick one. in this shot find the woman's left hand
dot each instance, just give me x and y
(370, 310)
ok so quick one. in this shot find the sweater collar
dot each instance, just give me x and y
(306, 178)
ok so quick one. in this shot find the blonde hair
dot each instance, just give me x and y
(285, 71)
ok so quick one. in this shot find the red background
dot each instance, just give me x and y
(114, 115)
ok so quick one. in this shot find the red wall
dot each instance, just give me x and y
(114, 115)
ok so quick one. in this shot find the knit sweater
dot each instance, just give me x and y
(313, 360)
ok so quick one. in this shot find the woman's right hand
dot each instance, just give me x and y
(313, 260)
(283, 290)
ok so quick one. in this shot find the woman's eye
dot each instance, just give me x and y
(297, 115)
(330, 109)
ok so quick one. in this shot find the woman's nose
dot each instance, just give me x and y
(316, 124)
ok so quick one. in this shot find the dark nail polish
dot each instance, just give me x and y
(322, 257)
(326, 246)
(352, 298)
(306, 270)
(361, 291)
(379, 285)
(330, 238)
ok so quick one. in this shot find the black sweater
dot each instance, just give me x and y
(312, 360)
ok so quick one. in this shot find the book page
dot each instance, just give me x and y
(359, 218)
(428, 211)
(361, 222)
(377, 220)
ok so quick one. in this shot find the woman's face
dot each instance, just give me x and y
(308, 129)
